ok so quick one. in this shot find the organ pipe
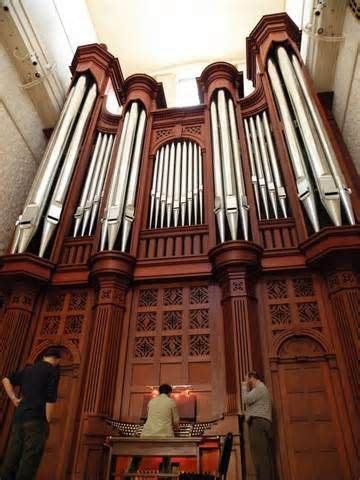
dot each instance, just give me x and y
(325, 141)
(304, 187)
(281, 193)
(80, 209)
(183, 182)
(153, 188)
(158, 186)
(329, 194)
(120, 205)
(180, 178)
(241, 193)
(129, 213)
(201, 186)
(190, 171)
(164, 186)
(266, 164)
(218, 184)
(29, 220)
(170, 187)
(57, 201)
(231, 206)
(100, 183)
(259, 167)
(177, 182)
(115, 204)
(254, 178)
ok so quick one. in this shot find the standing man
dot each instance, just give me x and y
(34, 408)
(257, 401)
(162, 417)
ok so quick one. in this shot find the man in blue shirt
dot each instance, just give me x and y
(33, 411)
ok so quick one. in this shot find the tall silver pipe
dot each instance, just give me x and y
(114, 180)
(177, 184)
(91, 191)
(116, 207)
(330, 154)
(254, 178)
(164, 186)
(129, 211)
(196, 183)
(241, 192)
(57, 201)
(183, 191)
(201, 187)
(29, 220)
(170, 187)
(100, 182)
(158, 186)
(219, 193)
(190, 171)
(266, 164)
(304, 187)
(231, 204)
(89, 178)
(281, 193)
(153, 188)
(328, 192)
(259, 167)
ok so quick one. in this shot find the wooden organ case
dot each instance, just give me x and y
(189, 245)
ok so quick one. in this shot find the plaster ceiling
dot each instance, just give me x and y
(149, 36)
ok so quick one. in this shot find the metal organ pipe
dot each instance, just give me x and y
(170, 187)
(158, 185)
(179, 176)
(153, 188)
(231, 206)
(218, 183)
(259, 167)
(304, 187)
(328, 192)
(164, 186)
(100, 182)
(344, 191)
(80, 209)
(177, 183)
(129, 213)
(241, 193)
(281, 193)
(29, 220)
(120, 209)
(254, 178)
(57, 201)
(183, 190)
(201, 186)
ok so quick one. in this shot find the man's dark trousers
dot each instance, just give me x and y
(260, 434)
(25, 449)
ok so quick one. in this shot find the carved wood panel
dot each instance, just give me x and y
(174, 338)
(312, 432)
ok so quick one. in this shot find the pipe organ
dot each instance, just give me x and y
(188, 246)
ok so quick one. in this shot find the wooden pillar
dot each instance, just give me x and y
(23, 277)
(111, 273)
(234, 264)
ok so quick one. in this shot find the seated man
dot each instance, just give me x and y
(162, 417)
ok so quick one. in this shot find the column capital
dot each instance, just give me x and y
(231, 258)
(25, 267)
(110, 266)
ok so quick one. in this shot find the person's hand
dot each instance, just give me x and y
(16, 401)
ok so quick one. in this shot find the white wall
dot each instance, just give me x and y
(21, 145)
(346, 106)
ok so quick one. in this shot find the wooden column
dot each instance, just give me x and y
(111, 273)
(234, 265)
(23, 277)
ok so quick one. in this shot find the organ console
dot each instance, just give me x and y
(190, 245)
